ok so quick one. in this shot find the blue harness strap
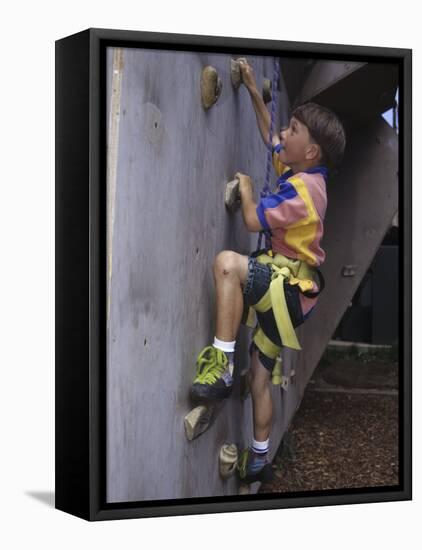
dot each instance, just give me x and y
(266, 188)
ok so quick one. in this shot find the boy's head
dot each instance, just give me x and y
(315, 136)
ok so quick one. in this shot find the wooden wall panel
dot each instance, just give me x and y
(173, 162)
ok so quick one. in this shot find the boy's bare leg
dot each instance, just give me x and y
(262, 403)
(230, 273)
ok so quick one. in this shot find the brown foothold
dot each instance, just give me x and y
(211, 86)
(266, 90)
(244, 489)
(235, 72)
(227, 460)
(231, 197)
(197, 421)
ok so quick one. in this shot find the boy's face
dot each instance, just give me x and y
(298, 146)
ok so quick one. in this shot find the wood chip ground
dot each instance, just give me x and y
(339, 440)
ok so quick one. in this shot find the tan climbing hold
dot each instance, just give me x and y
(197, 421)
(235, 72)
(227, 460)
(232, 197)
(211, 86)
(244, 489)
(285, 382)
(266, 90)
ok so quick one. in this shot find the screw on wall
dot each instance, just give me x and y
(348, 271)
(211, 86)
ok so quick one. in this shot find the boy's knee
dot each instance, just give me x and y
(225, 262)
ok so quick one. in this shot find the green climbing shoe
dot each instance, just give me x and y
(213, 381)
(252, 467)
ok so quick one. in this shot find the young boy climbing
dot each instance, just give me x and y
(280, 283)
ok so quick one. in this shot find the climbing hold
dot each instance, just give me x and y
(211, 86)
(197, 421)
(227, 460)
(285, 382)
(235, 72)
(266, 90)
(232, 197)
(280, 378)
(244, 489)
(348, 270)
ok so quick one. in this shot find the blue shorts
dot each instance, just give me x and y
(257, 284)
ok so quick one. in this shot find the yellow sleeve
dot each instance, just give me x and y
(279, 167)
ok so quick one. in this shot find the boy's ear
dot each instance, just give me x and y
(313, 151)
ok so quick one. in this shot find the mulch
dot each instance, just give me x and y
(337, 441)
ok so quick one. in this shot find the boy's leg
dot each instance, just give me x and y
(230, 274)
(215, 363)
(253, 464)
(262, 403)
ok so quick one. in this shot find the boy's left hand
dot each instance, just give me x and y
(245, 184)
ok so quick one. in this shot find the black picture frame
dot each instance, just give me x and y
(81, 283)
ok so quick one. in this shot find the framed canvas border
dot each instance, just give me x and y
(81, 280)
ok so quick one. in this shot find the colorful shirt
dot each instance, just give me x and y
(294, 215)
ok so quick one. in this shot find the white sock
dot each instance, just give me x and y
(227, 347)
(260, 447)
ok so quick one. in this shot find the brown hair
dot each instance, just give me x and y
(325, 129)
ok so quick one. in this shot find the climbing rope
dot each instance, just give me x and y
(266, 188)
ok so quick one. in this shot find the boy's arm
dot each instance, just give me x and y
(263, 117)
(248, 206)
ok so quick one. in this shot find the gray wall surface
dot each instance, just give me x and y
(173, 161)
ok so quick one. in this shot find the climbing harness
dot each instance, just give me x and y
(294, 272)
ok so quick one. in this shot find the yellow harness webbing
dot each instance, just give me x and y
(296, 272)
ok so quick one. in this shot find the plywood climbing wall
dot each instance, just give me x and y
(168, 165)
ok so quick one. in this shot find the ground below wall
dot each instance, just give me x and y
(345, 433)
